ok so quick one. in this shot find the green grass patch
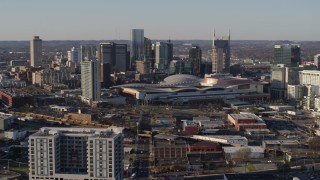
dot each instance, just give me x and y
(250, 167)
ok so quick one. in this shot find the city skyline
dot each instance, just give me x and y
(178, 20)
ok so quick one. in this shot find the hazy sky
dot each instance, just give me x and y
(161, 19)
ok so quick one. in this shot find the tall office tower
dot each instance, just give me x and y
(76, 153)
(113, 58)
(221, 54)
(295, 55)
(36, 52)
(153, 55)
(316, 60)
(148, 55)
(281, 78)
(287, 54)
(278, 88)
(90, 79)
(170, 51)
(121, 58)
(163, 55)
(136, 47)
(195, 56)
(74, 55)
(87, 52)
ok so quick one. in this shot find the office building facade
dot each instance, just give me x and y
(221, 54)
(278, 87)
(90, 80)
(195, 56)
(163, 55)
(76, 153)
(113, 58)
(148, 51)
(136, 46)
(36, 52)
(287, 54)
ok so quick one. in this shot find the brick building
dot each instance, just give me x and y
(15, 98)
(204, 146)
(168, 150)
(246, 121)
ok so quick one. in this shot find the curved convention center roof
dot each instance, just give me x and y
(181, 79)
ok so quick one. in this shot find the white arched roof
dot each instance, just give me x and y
(181, 79)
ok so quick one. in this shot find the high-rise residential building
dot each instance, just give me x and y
(195, 56)
(316, 60)
(76, 153)
(137, 46)
(113, 58)
(74, 55)
(163, 55)
(90, 79)
(36, 52)
(287, 54)
(221, 54)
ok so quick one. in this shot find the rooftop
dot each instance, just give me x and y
(89, 132)
(165, 137)
(281, 142)
(245, 116)
(204, 143)
(310, 71)
(181, 79)
(235, 149)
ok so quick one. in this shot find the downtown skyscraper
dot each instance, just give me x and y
(36, 52)
(221, 54)
(287, 54)
(113, 58)
(163, 55)
(136, 46)
(195, 56)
